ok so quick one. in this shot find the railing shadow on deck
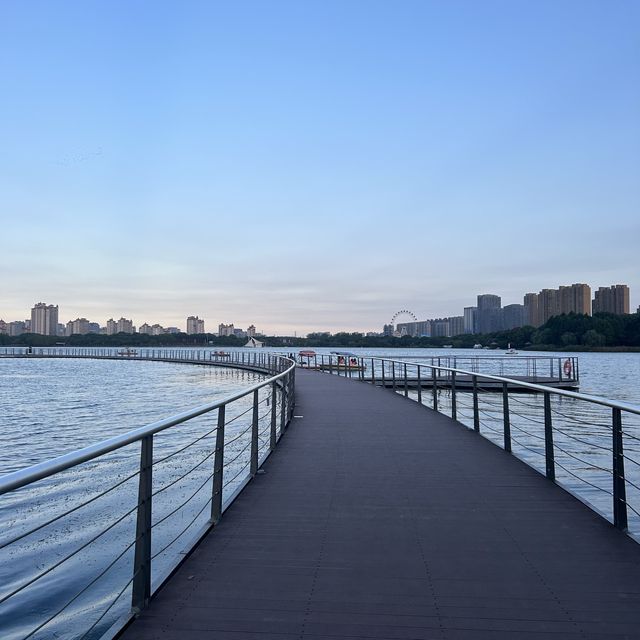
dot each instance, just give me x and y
(222, 459)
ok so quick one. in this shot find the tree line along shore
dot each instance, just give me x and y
(572, 332)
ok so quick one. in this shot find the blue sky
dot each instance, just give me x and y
(314, 165)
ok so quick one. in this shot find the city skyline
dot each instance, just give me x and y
(534, 309)
(315, 167)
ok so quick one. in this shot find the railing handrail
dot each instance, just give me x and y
(42, 470)
(614, 404)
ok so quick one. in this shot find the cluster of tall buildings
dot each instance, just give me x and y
(44, 321)
(575, 298)
(230, 330)
(489, 315)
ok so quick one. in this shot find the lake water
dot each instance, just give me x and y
(50, 407)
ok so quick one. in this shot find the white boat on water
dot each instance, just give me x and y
(477, 346)
(511, 351)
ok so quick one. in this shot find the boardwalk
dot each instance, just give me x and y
(377, 518)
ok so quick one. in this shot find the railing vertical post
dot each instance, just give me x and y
(254, 435)
(476, 411)
(283, 402)
(406, 386)
(506, 418)
(619, 485)
(548, 439)
(434, 388)
(274, 415)
(454, 405)
(393, 374)
(141, 590)
(218, 468)
(384, 385)
(292, 393)
(419, 386)
(373, 373)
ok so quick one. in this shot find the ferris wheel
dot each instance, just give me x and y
(404, 314)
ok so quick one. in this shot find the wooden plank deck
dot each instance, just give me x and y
(378, 518)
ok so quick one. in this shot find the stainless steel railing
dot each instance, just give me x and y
(580, 441)
(236, 446)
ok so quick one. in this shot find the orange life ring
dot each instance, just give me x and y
(567, 367)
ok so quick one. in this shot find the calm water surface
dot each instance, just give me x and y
(50, 407)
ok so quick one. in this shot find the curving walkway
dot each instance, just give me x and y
(378, 518)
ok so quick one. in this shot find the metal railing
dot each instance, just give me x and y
(221, 459)
(559, 371)
(254, 360)
(578, 440)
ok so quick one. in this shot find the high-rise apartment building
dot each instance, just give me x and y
(440, 328)
(456, 325)
(489, 313)
(513, 316)
(548, 304)
(225, 330)
(125, 326)
(145, 329)
(470, 319)
(78, 326)
(112, 327)
(613, 299)
(17, 328)
(120, 326)
(407, 329)
(44, 319)
(575, 298)
(531, 310)
(4, 328)
(195, 325)
(251, 331)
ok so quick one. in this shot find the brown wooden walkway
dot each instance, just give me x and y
(377, 518)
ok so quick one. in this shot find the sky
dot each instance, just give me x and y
(317, 165)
